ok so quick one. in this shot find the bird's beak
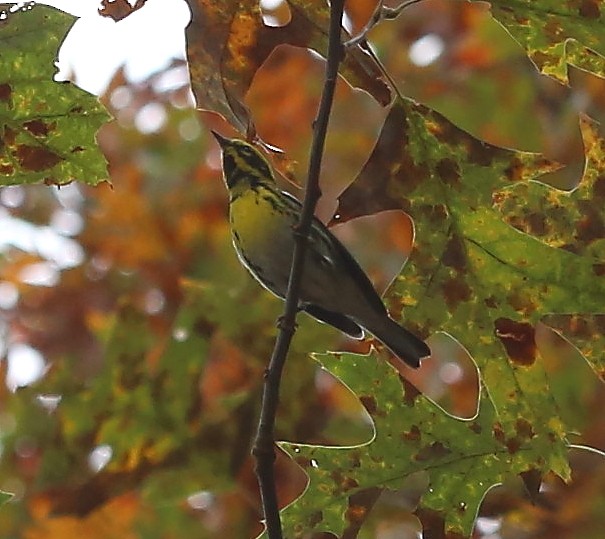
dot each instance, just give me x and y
(220, 139)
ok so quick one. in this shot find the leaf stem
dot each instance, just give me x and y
(264, 448)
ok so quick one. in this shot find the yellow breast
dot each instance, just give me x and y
(262, 231)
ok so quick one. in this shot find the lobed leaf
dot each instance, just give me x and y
(463, 459)
(545, 27)
(228, 42)
(47, 129)
(486, 284)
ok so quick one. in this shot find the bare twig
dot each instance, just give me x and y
(381, 13)
(264, 449)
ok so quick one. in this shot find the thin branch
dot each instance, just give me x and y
(381, 13)
(264, 449)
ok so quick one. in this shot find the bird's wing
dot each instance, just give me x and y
(338, 320)
(354, 270)
(327, 247)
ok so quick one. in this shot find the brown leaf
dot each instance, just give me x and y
(119, 9)
(228, 42)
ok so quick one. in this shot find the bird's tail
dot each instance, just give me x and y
(404, 344)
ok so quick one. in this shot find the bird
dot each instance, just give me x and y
(334, 289)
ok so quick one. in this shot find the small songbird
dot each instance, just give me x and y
(334, 289)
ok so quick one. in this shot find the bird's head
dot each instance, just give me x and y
(242, 162)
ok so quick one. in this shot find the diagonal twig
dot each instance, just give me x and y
(381, 13)
(264, 448)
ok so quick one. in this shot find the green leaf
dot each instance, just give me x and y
(486, 284)
(544, 28)
(463, 459)
(571, 220)
(47, 129)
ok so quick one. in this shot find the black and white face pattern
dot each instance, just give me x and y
(243, 161)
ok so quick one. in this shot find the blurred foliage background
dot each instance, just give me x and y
(148, 340)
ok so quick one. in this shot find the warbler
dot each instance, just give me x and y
(334, 288)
